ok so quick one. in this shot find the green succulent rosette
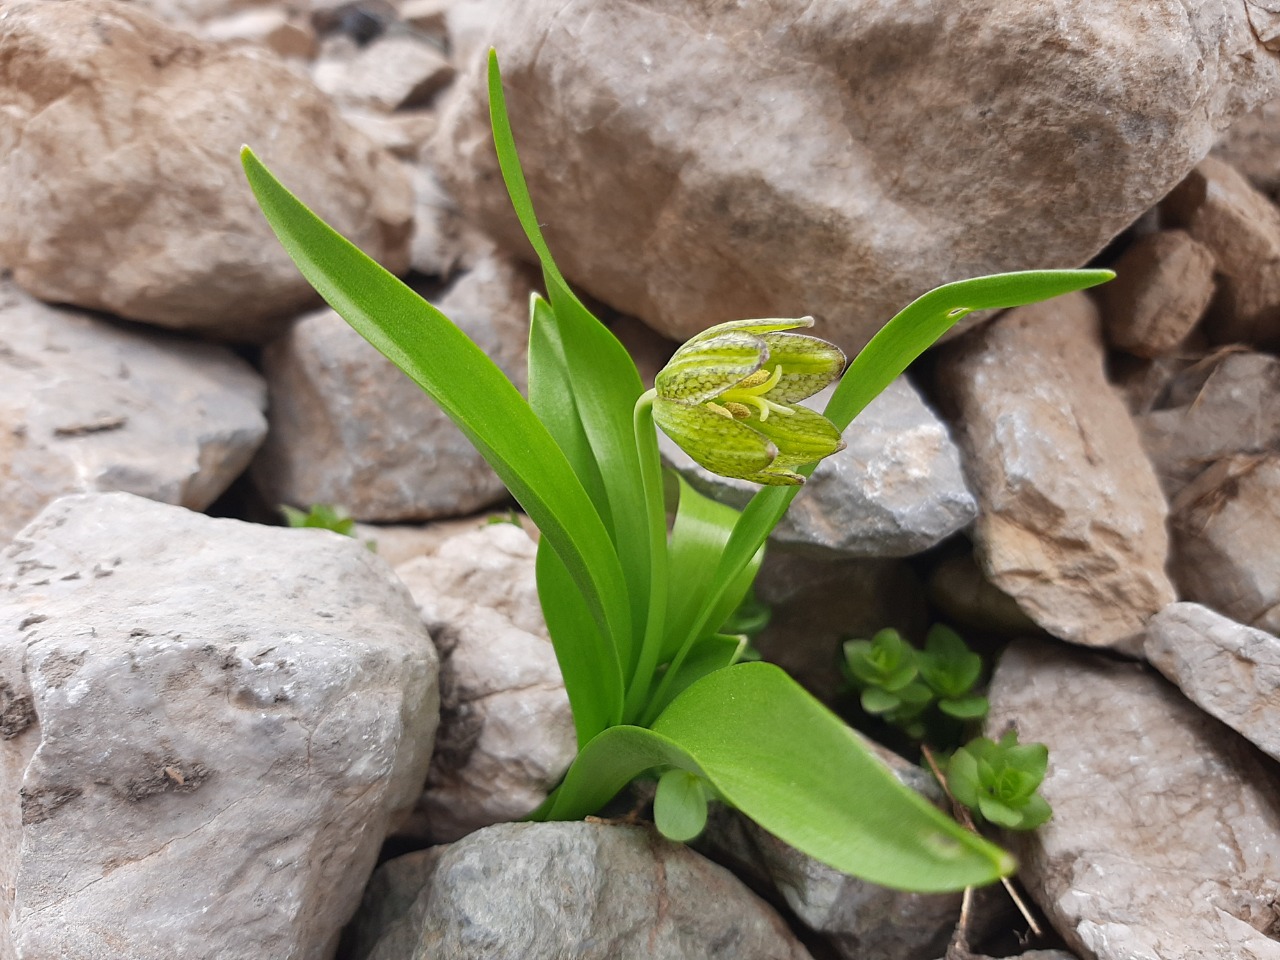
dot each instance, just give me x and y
(728, 397)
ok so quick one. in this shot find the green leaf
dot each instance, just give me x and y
(967, 708)
(888, 354)
(467, 386)
(680, 806)
(947, 664)
(876, 700)
(707, 655)
(998, 813)
(793, 767)
(588, 662)
(1036, 812)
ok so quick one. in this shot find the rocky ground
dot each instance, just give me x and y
(213, 729)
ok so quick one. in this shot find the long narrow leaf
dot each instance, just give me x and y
(603, 380)
(466, 384)
(588, 662)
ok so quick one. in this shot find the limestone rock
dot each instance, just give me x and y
(1165, 838)
(1252, 146)
(506, 730)
(1226, 404)
(348, 427)
(220, 724)
(1219, 208)
(397, 70)
(895, 490)
(1163, 284)
(88, 405)
(1072, 517)
(120, 188)
(270, 27)
(700, 164)
(1226, 525)
(1231, 671)
(540, 891)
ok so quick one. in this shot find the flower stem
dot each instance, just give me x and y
(655, 505)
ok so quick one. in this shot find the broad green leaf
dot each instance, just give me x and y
(603, 380)
(707, 655)
(890, 352)
(588, 662)
(467, 386)
(793, 767)
(680, 806)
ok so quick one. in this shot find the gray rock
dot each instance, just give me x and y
(895, 490)
(1227, 404)
(1072, 521)
(348, 427)
(544, 891)
(272, 27)
(87, 405)
(1220, 208)
(1165, 838)
(119, 184)
(1231, 671)
(1163, 284)
(210, 727)
(700, 164)
(1225, 526)
(1252, 146)
(506, 731)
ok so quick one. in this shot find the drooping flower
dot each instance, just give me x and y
(728, 398)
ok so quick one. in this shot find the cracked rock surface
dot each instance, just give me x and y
(545, 891)
(208, 729)
(1165, 837)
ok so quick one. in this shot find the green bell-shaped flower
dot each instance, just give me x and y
(728, 398)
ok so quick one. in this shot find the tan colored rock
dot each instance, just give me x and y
(1231, 671)
(270, 27)
(696, 164)
(506, 735)
(120, 188)
(1241, 227)
(1165, 837)
(1163, 284)
(397, 70)
(1225, 526)
(1252, 146)
(1226, 404)
(87, 405)
(1071, 520)
(348, 427)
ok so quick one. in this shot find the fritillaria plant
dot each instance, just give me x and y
(635, 609)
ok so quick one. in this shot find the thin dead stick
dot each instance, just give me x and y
(963, 815)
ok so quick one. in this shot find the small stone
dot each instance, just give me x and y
(1231, 671)
(1220, 208)
(1252, 146)
(1225, 526)
(964, 595)
(541, 891)
(1163, 284)
(1165, 837)
(400, 543)
(897, 489)
(86, 405)
(400, 134)
(394, 72)
(1224, 405)
(506, 732)
(348, 427)
(229, 720)
(429, 16)
(269, 27)
(119, 183)
(1072, 519)
(443, 241)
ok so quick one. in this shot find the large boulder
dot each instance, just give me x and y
(208, 727)
(120, 187)
(695, 163)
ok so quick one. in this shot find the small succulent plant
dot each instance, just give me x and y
(998, 781)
